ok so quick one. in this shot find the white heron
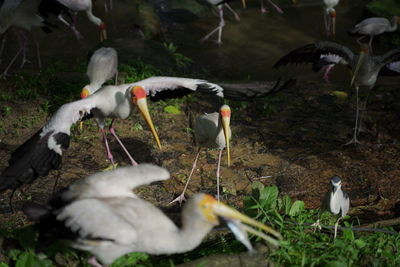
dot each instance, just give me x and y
(108, 220)
(60, 7)
(366, 67)
(211, 130)
(43, 151)
(374, 26)
(330, 16)
(335, 201)
(21, 14)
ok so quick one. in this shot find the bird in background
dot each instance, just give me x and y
(374, 26)
(220, 8)
(101, 214)
(211, 130)
(59, 8)
(264, 10)
(22, 15)
(330, 16)
(44, 150)
(365, 66)
(336, 201)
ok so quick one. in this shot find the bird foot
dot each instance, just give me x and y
(110, 167)
(4, 75)
(23, 63)
(92, 261)
(354, 141)
(180, 199)
(263, 10)
(316, 225)
(237, 17)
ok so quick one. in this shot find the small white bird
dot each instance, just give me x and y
(374, 26)
(103, 216)
(211, 130)
(336, 201)
(330, 16)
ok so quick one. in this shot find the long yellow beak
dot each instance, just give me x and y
(226, 129)
(142, 105)
(360, 61)
(103, 32)
(334, 26)
(228, 213)
(244, 3)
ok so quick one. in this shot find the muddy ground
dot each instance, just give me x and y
(294, 139)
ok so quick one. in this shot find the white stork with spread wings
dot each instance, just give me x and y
(43, 152)
(365, 66)
(101, 214)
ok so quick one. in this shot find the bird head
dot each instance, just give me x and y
(139, 98)
(85, 92)
(336, 183)
(225, 112)
(103, 32)
(212, 209)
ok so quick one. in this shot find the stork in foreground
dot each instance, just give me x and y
(211, 130)
(330, 16)
(366, 67)
(43, 151)
(156, 88)
(22, 15)
(374, 26)
(60, 7)
(103, 216)
(220, 7)
(335, 201)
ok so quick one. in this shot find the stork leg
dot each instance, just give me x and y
(93, 262)
(363, 109)
(78, 35)
(316, 225)
(275, 6)
(326, 23)
(109, 154)
(326, 72)
(354, 140)
(219, 27)
(218, 171)
(263, 9)
(3, 42)
(38, 55)
(370, 43)
(10, 200)
(116, 78)
(5, 72)
(336, 227)
(112, 131)
(237, 17)
(23, 40)
(181, 197)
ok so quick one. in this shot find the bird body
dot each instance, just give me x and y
(330, 4)
(208, 131)
(103, 65)
(109, 221)
(375, 26)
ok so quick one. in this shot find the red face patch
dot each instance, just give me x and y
(102, 26)
(225, 113)
(333, 14)
(138, 92)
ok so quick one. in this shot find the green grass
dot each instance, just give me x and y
(301, 246)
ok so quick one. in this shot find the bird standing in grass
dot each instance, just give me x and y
(374, 26)
(211, 130)
(102, 215)
(335, 201)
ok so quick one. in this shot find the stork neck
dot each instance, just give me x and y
(92, 17)
(393, 25)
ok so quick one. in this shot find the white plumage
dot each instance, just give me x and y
(330, 16)
(109, 222)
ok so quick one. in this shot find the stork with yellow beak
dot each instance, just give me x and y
(330, 16)
(211, 130)
(102, 215)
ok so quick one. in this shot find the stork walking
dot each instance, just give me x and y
(374, 26)
(43, 151)
(330, 16)
(22, 15)
(127, 223)
(211, 130)
(335, 201)
(366, 67)
(220, 7)
(61, 7)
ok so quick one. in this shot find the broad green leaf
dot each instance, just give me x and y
(297, 207)
(172, 110)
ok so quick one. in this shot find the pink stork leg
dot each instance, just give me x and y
(354, 140)
(218, 172)
(112, 131)
(275, 6)
(92, 261)
(109, 154)
(263, 9)
(233, 11)
(78, 35)
(5, 72)
(219, 27)
(181, 197)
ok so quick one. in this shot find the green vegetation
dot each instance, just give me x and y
(301, 245)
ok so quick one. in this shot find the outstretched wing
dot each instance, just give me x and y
(43, 151)
(250, 90)
(160, 88)
(391, 69)
(115, 183)
(319, 54)
(390, 60)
